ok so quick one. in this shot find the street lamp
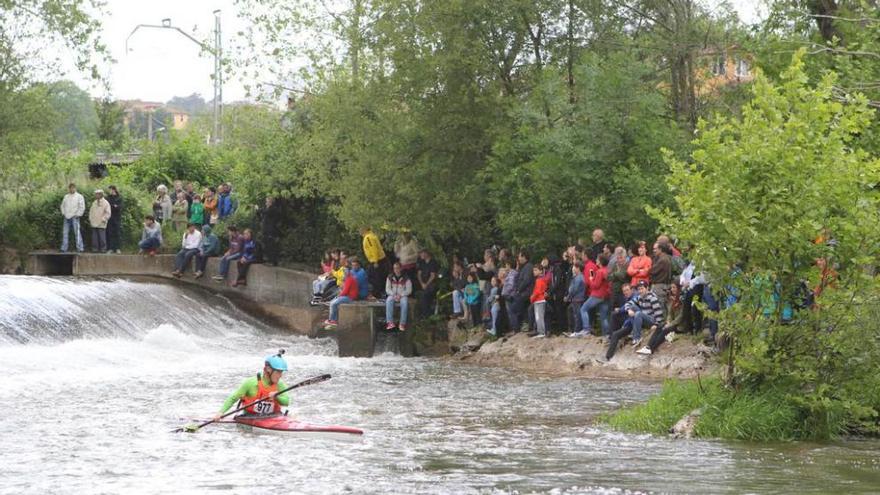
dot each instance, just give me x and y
(216, 50)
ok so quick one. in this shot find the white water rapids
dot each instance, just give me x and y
(96, 373)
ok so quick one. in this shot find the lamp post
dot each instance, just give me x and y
(216, 50)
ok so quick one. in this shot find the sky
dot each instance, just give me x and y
(161, 64)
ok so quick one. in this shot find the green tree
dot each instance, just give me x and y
(756, 193)
(76, 119)
(112, 133)
(27, 27)
(598, 165)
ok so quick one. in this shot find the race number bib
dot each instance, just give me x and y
(266, 407)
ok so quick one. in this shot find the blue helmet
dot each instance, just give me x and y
(276, 362)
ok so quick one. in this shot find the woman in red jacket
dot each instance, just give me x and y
(539, 300)
(599, 288)
(640, 266)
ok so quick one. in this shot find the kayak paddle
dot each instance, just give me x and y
(192, 428)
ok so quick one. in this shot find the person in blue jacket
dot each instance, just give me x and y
(225, 202)
(361, 275)
(248, 256)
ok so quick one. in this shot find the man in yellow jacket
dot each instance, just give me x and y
(377, 263)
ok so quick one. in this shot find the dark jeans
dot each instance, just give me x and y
(411, 274)
(476, 311)
(376, 275)
(622, 332)
(99, 239)
(181, 261)
(201, 263)
(516, 311)
(574, 316)
(225, 261)
(270, 248)
(617, 301)
(243, 268)
(692, 318)
(426, 301)
(711, 305)
(114, 235)
(149, 243)
(659, 337)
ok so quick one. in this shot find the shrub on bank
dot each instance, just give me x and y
(34, 222)
(766, 415)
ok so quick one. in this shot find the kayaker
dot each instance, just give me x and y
(263, 385)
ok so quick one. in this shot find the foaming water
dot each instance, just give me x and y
(93, 414)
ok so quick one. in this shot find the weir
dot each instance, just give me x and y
(280, 295)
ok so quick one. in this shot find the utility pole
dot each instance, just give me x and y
(218, 78)
(216, 50)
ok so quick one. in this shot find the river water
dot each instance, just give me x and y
(96, 373)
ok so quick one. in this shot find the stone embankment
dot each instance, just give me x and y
(683, 358)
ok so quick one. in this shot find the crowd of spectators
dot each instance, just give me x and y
(643, 294)
(192, 215)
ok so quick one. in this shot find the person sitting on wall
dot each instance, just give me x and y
(151, 237)
(248, 257)
(644, 312)
(350, 292)
(210, 246)
(189, 247)
(326, 279)
(231, 254)
(398, 288)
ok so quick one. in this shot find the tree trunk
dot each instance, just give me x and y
(825, 24)
(570, 62)
(355, 39)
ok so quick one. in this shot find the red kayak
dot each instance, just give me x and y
(288, 425)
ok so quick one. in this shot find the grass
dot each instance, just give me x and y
(765, 415)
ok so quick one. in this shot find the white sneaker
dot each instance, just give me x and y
(539, 336)
(644, 350)
(670, 337)
(636, 342)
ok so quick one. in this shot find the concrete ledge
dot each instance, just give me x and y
(280, 294)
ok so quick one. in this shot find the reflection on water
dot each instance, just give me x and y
(94, 416)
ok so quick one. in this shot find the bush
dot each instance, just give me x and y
(768, 414)
(186, 157)
(34, 222)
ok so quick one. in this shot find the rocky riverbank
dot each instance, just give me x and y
(686, 357)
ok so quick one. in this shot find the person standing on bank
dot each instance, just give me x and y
(99, 215)
(270, 219)
(72, 208)
(377, 269)
(114, 225)
(428, 271)
(162, 205)
(398, 288)
(180, 213)
(406, 248)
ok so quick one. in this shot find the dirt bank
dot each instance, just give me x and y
(684, 358)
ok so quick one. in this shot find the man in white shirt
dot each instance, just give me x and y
(192, 238)
(72, 208)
